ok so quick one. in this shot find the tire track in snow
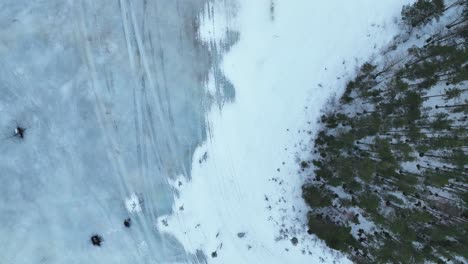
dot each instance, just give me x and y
(146, 133)
(145, 100)
(107, 132)
(100, 109)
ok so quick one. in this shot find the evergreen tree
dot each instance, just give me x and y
(421, 12)
(401, 159)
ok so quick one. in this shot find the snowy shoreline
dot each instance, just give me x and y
(243, 203)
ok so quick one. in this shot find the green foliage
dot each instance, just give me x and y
(452, 93)
(398, 252)
(412, 103)
(369, 201)
(421, 12)
(402, 227)
(336, 237)
(316, 197)
(441, 122)
(372, 154)
(365, 169)
(403, 152)
(421, 217)
(459, 159)
(384, 152)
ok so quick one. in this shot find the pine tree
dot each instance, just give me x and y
(421, 12)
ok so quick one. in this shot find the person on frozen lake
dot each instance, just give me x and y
(19, 131)
(96, 240)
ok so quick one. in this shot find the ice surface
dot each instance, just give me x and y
(112, 97)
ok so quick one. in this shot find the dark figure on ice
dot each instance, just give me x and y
(96, 240)
(19, 131)
(128, 222)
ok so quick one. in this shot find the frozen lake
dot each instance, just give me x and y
(112, 97)
(123, 101)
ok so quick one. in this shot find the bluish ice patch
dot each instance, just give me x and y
(111, 96)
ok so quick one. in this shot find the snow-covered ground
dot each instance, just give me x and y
(243, 203)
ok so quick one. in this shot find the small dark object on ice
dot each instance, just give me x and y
(294, 241)
(214, 254)
(96, 240)
(19, 131)
(241, 234)
(128, 222)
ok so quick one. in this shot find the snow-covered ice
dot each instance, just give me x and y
(133, 204)
(243, 203)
